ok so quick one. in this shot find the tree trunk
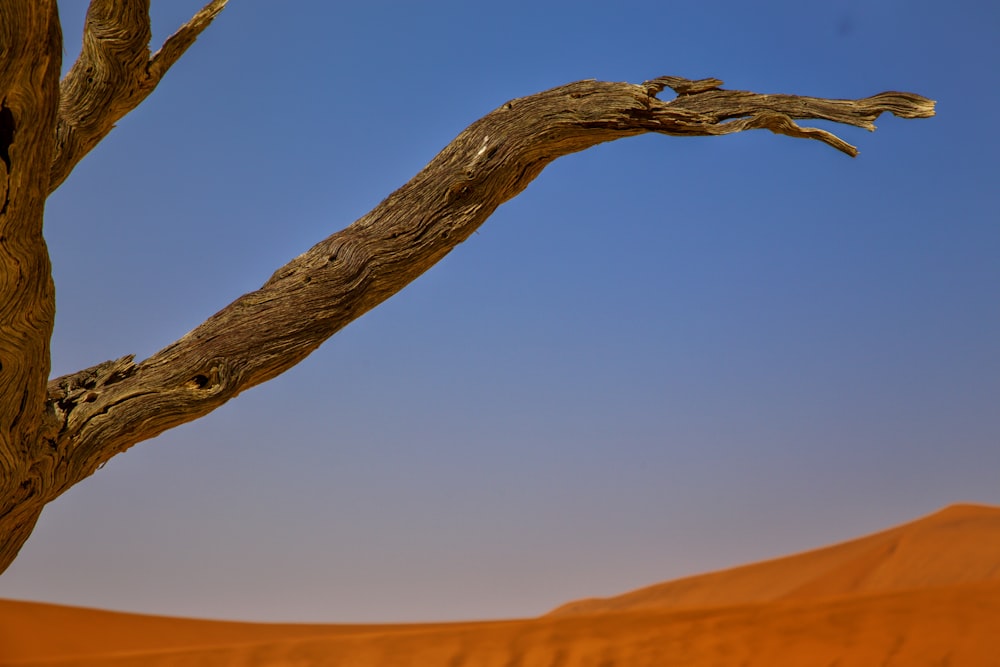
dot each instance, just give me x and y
(51, 439)
(31, 44)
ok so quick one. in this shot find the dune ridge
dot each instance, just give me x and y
(924, 593)
(958, 544)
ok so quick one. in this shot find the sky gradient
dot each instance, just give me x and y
(666, 356)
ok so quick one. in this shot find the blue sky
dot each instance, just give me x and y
(666, 356)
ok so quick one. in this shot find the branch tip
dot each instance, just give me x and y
(903, 105)
(175, 45)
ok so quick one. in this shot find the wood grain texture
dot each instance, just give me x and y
(97, 413)
(31, 44)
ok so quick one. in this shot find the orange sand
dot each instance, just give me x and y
(926, 593)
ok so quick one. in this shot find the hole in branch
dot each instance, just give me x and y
(7, 128)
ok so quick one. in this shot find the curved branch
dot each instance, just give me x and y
(98, 413)
(114, 74)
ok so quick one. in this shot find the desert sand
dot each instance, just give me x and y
(925, 593)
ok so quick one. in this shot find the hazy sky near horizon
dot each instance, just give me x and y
(666, 356)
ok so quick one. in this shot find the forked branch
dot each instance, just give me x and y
(97, 413)
(114, 74)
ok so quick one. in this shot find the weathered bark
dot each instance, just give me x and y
(31, 48)
(97, 413)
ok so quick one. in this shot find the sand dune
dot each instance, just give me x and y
(926, 593)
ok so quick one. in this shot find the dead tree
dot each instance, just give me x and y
(54, 433)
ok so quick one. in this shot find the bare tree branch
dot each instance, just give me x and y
(114, 74)
(97, 413)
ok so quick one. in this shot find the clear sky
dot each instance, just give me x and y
(666, 356)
